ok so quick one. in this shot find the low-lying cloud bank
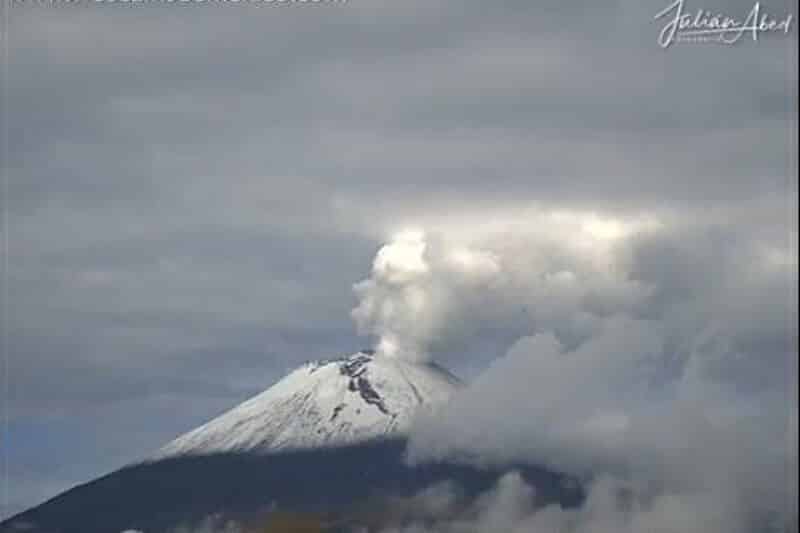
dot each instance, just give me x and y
(647, 353)
(611, 507)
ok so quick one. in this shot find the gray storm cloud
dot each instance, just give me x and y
(199, 228)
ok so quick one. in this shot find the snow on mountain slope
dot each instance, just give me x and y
(327, 403)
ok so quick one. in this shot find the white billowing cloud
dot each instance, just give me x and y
(428, 289)
(403, 259)
(395, 294)
(655, 354)
(411, 289)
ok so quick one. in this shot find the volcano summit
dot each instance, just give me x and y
(322, 404)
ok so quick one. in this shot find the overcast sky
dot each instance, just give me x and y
(193, 191)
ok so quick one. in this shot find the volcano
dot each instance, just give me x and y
(328, 440)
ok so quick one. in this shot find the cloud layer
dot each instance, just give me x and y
(190, 203)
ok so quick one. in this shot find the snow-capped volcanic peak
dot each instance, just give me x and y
(326, 403)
